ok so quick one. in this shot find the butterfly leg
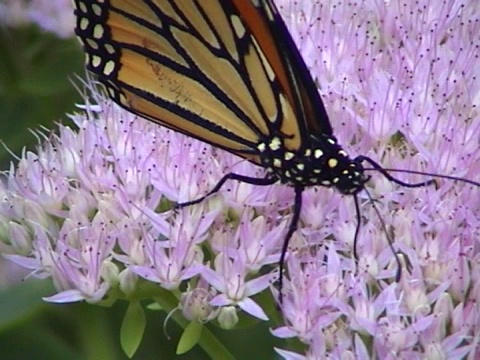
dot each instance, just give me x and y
(230, 176)
(297, 208)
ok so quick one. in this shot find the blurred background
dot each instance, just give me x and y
(38, 64)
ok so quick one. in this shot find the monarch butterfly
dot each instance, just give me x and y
(227, 73)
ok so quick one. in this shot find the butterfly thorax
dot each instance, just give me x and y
(323, 163)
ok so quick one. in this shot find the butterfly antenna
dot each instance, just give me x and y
(385, 172)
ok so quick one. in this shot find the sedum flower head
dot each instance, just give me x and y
(93, 210)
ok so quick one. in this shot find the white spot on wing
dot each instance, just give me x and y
(275, 144)
(109, 48)
(97, 10)
(96, 61)
(83, 24)
(109, 67)
(98, 31)
(289, 155)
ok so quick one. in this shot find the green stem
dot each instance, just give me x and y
(208, 341)
(97, 341)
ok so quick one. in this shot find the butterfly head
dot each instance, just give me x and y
(352, 178)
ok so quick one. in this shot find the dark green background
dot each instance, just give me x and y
(36, 74)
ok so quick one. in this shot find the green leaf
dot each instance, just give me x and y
(190, 337)
(154, 306)
(133, 327)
